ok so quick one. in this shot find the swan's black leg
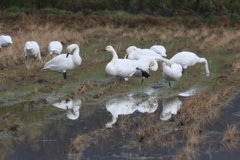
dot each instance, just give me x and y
(120, 79)
(170, 84)
(65, 75)
(183, 70)
(142, 80)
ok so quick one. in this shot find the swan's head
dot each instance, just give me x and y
(130, 49)
(71, 48)
(109, 49)
(153, 65)
(165, 116)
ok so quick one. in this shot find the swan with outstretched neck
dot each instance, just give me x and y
(186, 59)
(64, 62)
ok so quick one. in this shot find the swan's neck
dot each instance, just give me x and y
(39, 56)
(76, 52)
(114, 56)
(76, 56)
(206, 65)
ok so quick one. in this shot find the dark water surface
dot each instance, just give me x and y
(58, 131)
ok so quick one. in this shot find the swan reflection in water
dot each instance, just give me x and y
(170, 106)
(72, 107)
(145, 103)
(173, 104)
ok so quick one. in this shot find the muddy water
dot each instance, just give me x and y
(47, 132)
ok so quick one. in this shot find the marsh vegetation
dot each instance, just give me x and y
(29, 120)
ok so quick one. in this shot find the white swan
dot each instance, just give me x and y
(147, 65)
(55, 48)
(159, 49)
(123, 68)
(170, 106)
(32, 49)
(171, 71)
(72, 107)
(5, 41)
(64, 62)
(135, 53)
(186, 59)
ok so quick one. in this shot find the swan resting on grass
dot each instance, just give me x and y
(186, 59)
(5, 41)
(159, 49)
(171, 71)
(123, 68)
(55, 48)
(64, 62)
(32, 49)
(135, 53)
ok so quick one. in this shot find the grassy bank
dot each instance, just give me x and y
(23, 82)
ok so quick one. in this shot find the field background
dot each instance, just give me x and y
(211, 29)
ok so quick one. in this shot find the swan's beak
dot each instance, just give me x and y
(127, 55)
(149, 68)
(105, 49)
(70, 52)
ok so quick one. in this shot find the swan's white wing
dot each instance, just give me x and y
(124, 67)
(159, 49)
(60, 63)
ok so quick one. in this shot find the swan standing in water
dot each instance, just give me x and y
(170, 106)
(55, 48)
(71, 106)
(171, 71)
(135, 53)
(123, 68)
(64, 62)
(186, 59)
(32, 49)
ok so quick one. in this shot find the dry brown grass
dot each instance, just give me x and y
(79, 144)
(230, 137)
(204, 105)
(190, 150)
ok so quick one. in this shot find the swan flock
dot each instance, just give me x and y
(137, 62)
